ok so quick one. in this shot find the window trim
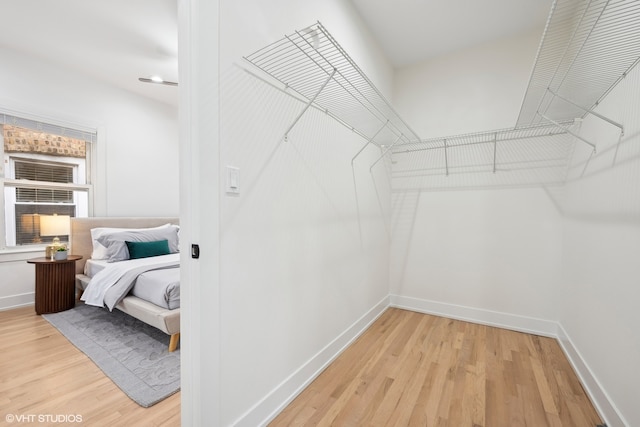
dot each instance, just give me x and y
(92, 135)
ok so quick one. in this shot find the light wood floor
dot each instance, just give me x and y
(411, 369)
(42, 373)
(407, 369)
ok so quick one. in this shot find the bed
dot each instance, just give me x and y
(140, 303)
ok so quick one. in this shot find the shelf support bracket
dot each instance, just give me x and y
(311, 101)
(598, 115)
(369, 142)
(446, 159)
(569, 131)
(495, 148)
(385, 152)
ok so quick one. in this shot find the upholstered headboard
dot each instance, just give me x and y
(80, 238)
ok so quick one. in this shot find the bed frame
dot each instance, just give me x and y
(168, 321)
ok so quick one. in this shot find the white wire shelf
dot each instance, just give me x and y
(312, 64)
(493, 142)
(519, 156)
(587, 48)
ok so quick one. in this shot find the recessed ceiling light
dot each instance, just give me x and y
(157, 80)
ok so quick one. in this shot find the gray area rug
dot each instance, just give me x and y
(133, 354)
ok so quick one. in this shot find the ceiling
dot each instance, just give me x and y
(115, 41)
(411, 31)
(118, 41)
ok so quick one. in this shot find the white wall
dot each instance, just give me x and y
(599, 299)
(489, 250)
(302, 259)
(472, 90)
(137, 170)
(564, 254)
(493, 250)
(137, 131)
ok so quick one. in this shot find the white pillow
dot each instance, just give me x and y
(116, 242)
(99, 250)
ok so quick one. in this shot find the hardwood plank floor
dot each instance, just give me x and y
(412, 369)
(41, 373)
(407, 369)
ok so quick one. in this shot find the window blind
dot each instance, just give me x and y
(39, 171)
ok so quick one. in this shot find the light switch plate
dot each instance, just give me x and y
(233, 180)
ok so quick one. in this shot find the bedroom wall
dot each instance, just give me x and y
(601, 223)
(303, 247)
(476, 251)
(132, 130)
(135, 128)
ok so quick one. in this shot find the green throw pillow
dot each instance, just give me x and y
(147, 249)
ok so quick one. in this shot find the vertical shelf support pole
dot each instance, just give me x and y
(311, 101)
(446, 159)
(495, 148)
(566, 129)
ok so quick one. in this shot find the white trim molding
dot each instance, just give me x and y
(599, 397)
(530, 325)
(274, 402)
(16, 301)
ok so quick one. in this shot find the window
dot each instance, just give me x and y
(46, 172)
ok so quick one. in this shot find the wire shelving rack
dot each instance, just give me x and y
(311, 63)
(587, 48)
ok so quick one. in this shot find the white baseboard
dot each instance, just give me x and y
(271, 405)
(17, 301)
(514, 322)
(598, 395)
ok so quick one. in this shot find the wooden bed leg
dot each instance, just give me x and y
(173, 342)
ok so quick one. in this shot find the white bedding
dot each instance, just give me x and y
(93, 266)
(113, 281)
(160, 287)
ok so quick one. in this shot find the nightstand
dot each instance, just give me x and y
(55, 284)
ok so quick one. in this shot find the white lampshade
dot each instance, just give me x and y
(55, 225)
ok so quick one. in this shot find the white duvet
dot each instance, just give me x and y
(114, 282)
